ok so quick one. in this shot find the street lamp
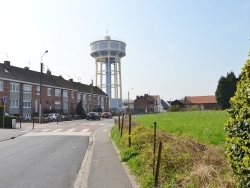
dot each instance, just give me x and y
(40, 106)
(128, 99)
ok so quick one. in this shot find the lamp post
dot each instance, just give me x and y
(128, 99)
(40, 105)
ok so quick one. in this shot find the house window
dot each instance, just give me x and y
(38, 90)
(14, 103)
(89, 97)
(26, 104)
(65, 93)
(84, 97)
(72, 94)
(1, 85)
(78, 96)
(26, 89)
(14, 87)
(49, 91)
(57, 104)
(57, 92)
(65, 105)
(27, 116)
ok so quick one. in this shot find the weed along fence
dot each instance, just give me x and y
(126, 124)
(179, 150)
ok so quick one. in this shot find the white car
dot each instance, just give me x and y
(52, 116)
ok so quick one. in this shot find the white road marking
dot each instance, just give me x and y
(57, 130)
(83, 123)
(70, 130)
(84, 130)
(46, 130)
(58, 134)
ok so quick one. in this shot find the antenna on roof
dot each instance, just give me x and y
(6, 56)
(79, 79)
(107, 31)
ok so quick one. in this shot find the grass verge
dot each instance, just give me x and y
(185, 161)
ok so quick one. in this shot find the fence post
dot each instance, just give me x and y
(119, 126)
(20, 122)
(122, 123)
(158, 165)
(33, 122)
(154, 148)
(129, 131)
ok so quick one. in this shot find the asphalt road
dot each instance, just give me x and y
(41, 161)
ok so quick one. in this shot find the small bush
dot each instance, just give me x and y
(238, 129)
(7, 122)
(174, 108)
(128, 154)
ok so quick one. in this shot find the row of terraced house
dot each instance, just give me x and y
(20, 93)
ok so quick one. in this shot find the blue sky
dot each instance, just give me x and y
(175, 48)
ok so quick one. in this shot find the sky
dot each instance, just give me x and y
(174, 48)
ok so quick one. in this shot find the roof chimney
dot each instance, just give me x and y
(48, 72)
(7, 64)
(71, 79)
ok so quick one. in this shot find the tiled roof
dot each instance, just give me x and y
(164, 104)
(33, 77)
(200, 100)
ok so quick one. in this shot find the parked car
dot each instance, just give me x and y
(52, 116)
(93, 116)
(106, 115)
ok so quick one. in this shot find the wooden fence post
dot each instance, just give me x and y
(158, 165)
(119, 126)
(129, 131)
(122, 123)
(154, 148)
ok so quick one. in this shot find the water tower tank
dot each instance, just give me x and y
(108, 54)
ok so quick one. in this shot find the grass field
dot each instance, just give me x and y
(192, 154)
(204, 126)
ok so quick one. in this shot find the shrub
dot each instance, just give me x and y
(1, 110)
(238, 129)
(174, 108)
(7, 121)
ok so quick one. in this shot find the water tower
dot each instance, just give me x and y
(108, 54)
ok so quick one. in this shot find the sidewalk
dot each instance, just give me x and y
(101, 166)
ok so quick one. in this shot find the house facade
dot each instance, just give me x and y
(22, 86)
(147, 104)
(202, 102)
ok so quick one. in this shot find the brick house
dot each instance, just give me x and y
(22, 88)
(147, 104)
(202, 102)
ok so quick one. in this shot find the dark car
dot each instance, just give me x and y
(93, 116)
(106, 115)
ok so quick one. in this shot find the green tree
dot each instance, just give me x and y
(225, 90)
(238, 129)
(79, 109)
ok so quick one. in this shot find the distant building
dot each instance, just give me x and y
(202, 102)
(148, 104)
(165, 105)
(21, 86)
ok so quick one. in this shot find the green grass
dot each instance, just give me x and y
(204, 126)
(184, 161)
